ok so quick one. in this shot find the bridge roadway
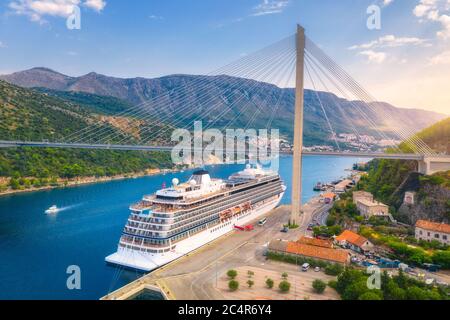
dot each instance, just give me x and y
(6, 144)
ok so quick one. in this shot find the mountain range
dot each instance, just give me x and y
(248, 103)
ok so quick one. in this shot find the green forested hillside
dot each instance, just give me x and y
(389, 179)
(438, 136)
(29, 115)
(97, 103)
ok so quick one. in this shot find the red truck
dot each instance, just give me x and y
(246, 228)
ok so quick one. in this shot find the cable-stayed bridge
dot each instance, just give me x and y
(241, 90)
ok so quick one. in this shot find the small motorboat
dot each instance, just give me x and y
(318, 186)
(52, 210)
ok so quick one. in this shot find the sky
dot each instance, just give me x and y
(405, 62)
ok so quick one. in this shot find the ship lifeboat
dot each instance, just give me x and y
(227, 214)
(237, 210)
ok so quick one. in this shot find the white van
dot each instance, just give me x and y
(262, 222)
(305, 267)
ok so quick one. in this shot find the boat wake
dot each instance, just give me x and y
(54, 209)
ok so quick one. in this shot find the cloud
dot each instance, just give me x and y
(37, 9)
(97, 5)
(155, 17)
(270, 7)
(442, 58)
(391, 41)
(387, 2)
(374, 56)
(2, 45)
(435, 11)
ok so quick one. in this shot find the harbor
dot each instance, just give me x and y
(89, 225)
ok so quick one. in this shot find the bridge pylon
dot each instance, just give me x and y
(298, 128)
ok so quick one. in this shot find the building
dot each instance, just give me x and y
(316, 242)
(318, 253)
(359, 195)
(304, 248)
(429, 231)
(409, 198)
(342, 186)
(369, 208)
(328, 197)
(354, 241)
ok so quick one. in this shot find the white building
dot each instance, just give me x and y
(429, 231)
(360, 195)
(409, 198)
(368, 208)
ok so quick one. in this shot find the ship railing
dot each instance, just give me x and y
(141, 205)
(142, 244)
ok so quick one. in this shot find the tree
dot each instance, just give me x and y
(284, 286)
(232, 274)
(250, 273)
(250, 283)
(355, 290)
(369, 295)
(416, 293)
(333, 269)
(393, 292)
(14, 183)
(284, 275)
(269, 283)
(319, 286)
(233, 285)
(442, 258)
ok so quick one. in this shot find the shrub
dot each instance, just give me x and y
(284, 275)
(334, 269)
(284, 286)
(319, 286)
(232, 274)
(250, 283)
(269, 283)
(332, 284)
(233, 285)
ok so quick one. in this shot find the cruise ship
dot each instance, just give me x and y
(176, 220)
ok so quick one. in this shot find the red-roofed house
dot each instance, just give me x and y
(316, 242)
(428, 231)
(354, 241)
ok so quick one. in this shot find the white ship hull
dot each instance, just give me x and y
(150, 261)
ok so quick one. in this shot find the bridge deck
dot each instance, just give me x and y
(6, 144)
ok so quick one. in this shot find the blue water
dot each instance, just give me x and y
(36, 249)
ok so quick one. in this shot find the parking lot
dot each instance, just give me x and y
(301, 283)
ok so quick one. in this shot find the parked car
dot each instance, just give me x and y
(316, 269)
(285, 229)
(305, 267)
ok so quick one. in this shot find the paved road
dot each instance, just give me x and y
(322, 213)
